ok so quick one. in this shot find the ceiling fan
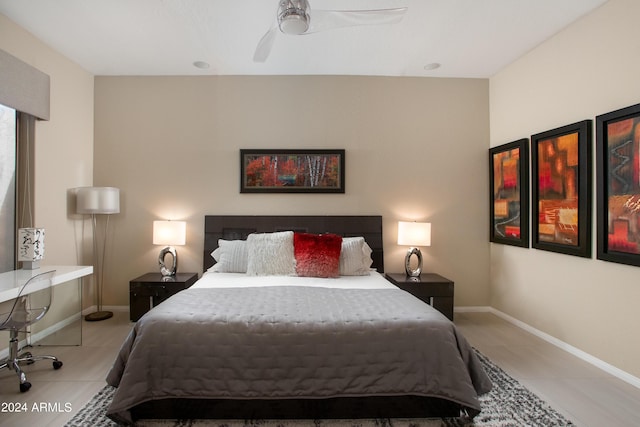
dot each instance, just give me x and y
(295, 17)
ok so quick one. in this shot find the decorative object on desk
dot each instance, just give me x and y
(414, 234)
(561, 189)
(98, 201)
(169, 233)
(618, 205)
(509, 195)
(30, 247)
(292, 171)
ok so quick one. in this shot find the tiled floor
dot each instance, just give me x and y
(585, 394)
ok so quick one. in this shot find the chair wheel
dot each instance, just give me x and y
(57, 364)
(25, 386)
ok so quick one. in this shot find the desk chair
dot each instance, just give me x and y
(31, 305)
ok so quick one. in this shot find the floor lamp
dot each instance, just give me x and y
(98, 201)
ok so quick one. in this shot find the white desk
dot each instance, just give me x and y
(12, 281)
(63, 323)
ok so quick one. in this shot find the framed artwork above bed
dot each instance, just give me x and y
(292, 171)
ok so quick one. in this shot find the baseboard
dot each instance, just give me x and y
(598, 363)
(472, 309)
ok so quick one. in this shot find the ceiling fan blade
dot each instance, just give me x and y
(322, 20)
(265, 44)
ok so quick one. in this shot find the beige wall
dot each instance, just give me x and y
(415, 149)
(589, 69)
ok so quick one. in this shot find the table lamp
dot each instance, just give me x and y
(30, 247)
(169, 233)
(414, 234)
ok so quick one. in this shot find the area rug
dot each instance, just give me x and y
(509, 404)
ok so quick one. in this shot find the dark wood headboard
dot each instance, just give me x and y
(235, 227)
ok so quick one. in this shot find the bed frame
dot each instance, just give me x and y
(239, 227)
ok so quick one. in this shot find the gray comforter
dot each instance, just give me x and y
(294, 342)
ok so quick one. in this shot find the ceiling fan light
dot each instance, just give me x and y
(292, 22)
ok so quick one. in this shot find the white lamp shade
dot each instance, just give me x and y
(98, 200)
(414, 233)
(169, 233)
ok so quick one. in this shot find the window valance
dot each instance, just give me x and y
(23, 87)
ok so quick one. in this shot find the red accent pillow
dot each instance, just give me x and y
(317, 255)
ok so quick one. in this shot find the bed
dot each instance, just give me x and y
(329, 339)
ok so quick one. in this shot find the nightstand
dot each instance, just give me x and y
(149, 290)
(431, 288)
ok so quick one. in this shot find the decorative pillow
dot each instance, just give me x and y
(271, 254)
(317, 255)
(231, 256)
(355, 257)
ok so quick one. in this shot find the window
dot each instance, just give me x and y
(7, 188)
(24, 92)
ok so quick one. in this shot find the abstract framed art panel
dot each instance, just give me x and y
(509, 193)
(561, 161)
(292, 171)
(618, 185)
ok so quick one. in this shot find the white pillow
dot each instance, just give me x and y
(231, 256)
(271, 254)
(355, 257)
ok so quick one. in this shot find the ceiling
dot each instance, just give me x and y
(467, 38)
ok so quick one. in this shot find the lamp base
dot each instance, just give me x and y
(30, 265)
(407, 262)
(168, 271)
(98, 315)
